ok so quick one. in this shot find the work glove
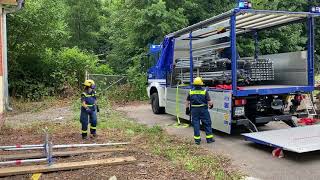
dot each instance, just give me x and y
(187, 111)
(89, 111)
(211, 106)
(98, 110)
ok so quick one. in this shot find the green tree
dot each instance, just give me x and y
(84, 22)
(284, 39)
(38, 26)
(132, 25)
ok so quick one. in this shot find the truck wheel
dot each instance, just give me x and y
(155, 104)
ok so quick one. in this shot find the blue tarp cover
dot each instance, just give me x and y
(165, 61)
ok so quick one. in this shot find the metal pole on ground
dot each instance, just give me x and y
(67, 146)
(21, 146)
(20, 162)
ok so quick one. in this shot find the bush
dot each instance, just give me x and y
(102, 69)
(54, 73)
(70, 66)
(61, 74)
(135, 89)
(126, 93)
(119, 88)
(137, 82)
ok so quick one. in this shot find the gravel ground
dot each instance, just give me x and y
(55, 114)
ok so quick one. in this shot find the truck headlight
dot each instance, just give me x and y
(239, 111)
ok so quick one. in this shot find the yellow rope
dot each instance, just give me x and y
(178, 124)
(178, 105)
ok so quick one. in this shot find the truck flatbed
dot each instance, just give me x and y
(299, 139)
(268, 87)
(272, 89)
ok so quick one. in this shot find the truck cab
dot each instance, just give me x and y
(156, 81)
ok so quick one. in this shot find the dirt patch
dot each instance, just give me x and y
(55, 114)
(22, 106)
(147, 166)
(131, 103)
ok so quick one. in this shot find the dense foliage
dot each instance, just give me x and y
(53, 42)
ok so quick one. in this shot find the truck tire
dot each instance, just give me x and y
(155, 104)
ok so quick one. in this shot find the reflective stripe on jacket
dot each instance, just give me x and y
(198, 97)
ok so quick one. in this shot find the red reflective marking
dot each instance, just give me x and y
(18, 162)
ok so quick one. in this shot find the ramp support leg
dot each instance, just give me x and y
(278, 152)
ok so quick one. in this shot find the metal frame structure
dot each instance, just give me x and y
(240, 21)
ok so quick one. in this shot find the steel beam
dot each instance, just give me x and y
(201, 24)
(191, 59)
(234, 52)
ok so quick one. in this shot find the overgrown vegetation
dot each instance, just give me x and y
(52, 42)
(133, 90)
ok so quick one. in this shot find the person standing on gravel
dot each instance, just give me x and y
(199, 99)
(89, 109)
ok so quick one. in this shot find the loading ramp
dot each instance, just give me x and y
(299, 139)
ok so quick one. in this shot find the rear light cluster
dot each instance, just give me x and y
(240, 102)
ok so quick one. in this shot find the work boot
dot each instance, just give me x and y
(210, 141)
(93, 136)
(197, 142)
(84, 136)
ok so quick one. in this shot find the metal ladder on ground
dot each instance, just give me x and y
(311, 110)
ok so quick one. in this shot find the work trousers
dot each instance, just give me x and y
(85, 119)
(201, 114)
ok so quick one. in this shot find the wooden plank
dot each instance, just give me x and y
(10, 2)
(57, 154)
(11, 171)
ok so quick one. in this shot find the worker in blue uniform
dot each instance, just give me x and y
(89, 109)
(199, 101)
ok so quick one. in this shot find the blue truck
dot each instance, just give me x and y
(246, 91)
